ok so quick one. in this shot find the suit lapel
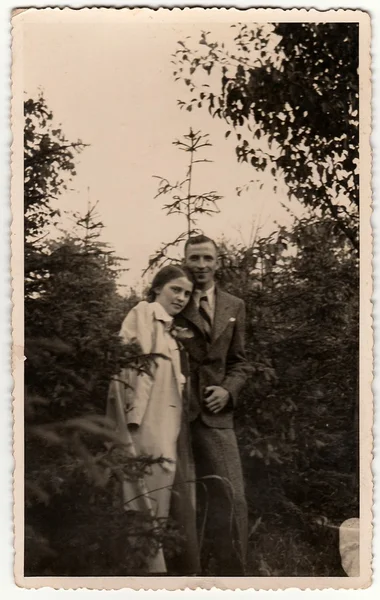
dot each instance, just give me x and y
(191, 313)
(221, 313)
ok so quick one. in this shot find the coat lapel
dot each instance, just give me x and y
(191, 313)
(221, 314)
(161, 346)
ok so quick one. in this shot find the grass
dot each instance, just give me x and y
(295, 538)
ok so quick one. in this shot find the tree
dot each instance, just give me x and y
(75, 521)
(73, 457)
(297, 422)
(48, 168)
(291, 92)
(79, 307)
(184, 201)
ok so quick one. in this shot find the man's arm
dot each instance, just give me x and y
(237, 367)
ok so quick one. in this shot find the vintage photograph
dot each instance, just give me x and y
(192, 278)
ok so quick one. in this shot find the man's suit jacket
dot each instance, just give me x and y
(222, 362)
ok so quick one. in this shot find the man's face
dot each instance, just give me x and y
(202, 260)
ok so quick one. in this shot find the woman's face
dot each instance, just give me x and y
(174, 295)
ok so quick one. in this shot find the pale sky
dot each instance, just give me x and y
(111, 85)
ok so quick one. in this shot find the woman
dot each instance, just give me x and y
(149, 410)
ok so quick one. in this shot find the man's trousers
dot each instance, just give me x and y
(222, 507)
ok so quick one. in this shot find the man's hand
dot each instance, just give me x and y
(216, 398)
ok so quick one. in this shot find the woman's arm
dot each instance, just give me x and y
(137, 326)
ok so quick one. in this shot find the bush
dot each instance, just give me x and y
(298, 417)
(75, 522)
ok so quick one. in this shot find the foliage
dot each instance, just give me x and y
(72, 350)
(75, 523)
(71, 332)
(298, 418)
(297, 422)
(183, 200)
(291, 92)
(73, 499)
(48, 168)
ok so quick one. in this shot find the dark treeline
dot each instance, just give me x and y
(298, 417)
(75, 522)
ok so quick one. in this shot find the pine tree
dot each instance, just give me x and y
(75, 523)
(184, 201)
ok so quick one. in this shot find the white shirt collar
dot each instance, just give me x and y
(210, 293)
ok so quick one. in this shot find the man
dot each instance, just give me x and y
(218, 370)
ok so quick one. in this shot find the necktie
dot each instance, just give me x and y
(205, 313)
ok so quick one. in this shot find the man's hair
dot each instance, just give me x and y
(199, 239)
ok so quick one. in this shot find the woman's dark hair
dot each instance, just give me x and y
(166, 274)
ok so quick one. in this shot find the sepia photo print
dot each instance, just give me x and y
(192, 281)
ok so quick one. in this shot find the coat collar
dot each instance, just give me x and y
(160, 313)
(221, 314)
